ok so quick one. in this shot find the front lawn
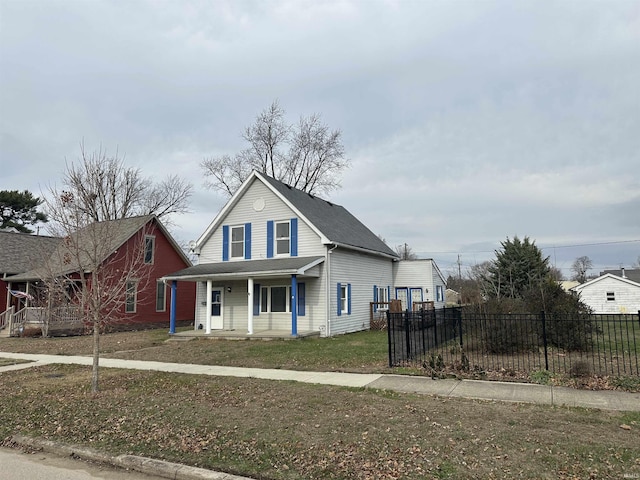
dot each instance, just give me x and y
(283, 430)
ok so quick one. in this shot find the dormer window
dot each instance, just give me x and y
(283, 238)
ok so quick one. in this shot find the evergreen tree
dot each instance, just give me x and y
(518, 267)
(19, 209)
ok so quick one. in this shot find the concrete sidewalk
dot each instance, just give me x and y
(476, 389)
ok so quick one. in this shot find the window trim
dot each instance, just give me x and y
(233, 242)
(611, 296)
(164, 295)
(266, 295)
(344, 301)
(276, 238)
(149, 239)
(131, 284)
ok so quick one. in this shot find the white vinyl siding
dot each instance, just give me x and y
(625, 298)
(362, 272)
(275, 210)
(420, 274)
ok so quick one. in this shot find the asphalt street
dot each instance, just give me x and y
(44, 466)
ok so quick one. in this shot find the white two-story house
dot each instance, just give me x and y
(278, 259)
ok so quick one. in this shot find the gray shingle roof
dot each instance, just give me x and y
(99, 239)
(334, 221)
(285, 266)
(631, 274)
(20, 252)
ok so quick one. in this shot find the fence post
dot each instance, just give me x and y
(544, 339)
(458, 312)
(389, 336)
(407, 332)
(423, 329)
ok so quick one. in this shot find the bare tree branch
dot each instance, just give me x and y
(103, 188)
(313, 161)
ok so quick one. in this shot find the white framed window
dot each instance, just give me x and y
(161, 296)
(344, 298)
(383, 296)
(283, 238)
(131, 295)
(275, 299)
(149, 249)
(439, 293)
(611, 296)
(237, 242)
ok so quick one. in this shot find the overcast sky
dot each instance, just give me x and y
(466, 122)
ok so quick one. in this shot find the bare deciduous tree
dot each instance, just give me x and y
(98, 266)
(103, 188)
(309, 156)
(405, 252)
(580, 267)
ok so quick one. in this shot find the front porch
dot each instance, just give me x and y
(244, 335)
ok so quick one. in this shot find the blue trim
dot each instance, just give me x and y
(301, 299)
(294, 237)
(375, 298)
(388, 294)
(339, 299)
(225, 243)
(247, 241)
(172, 314)
(270, 239)
(348, 299)
(294, 310)
(256, 299)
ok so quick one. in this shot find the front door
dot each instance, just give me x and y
(216, 309)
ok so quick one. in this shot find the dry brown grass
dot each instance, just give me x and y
(284, 430)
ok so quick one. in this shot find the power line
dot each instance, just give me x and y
(456, 252)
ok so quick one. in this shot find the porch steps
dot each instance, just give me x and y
(4, 333)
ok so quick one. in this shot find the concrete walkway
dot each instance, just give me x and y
(477, 389)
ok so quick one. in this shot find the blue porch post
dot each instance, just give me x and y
(172, 315)
(294, 306)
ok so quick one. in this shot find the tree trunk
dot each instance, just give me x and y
(96, 356)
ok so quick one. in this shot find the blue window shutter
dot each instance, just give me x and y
(375, 298)
(256, 299)
(225, 243)
(388, 294)
(270, 239)
(348, 299)
(339, 299)
(294, 237)
(247, 241)
(301, 299)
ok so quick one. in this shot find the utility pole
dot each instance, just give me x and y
(459, 269)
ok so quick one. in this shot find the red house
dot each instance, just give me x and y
(145, 300)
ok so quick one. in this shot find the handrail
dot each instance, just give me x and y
(5, 317)
(17, 321)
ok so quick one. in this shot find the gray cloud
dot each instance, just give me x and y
(466, 122)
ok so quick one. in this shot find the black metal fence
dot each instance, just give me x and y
(464, 339)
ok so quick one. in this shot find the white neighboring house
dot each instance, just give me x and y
(419, 281)
(610, 294)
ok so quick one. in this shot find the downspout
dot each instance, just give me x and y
(327, 327)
